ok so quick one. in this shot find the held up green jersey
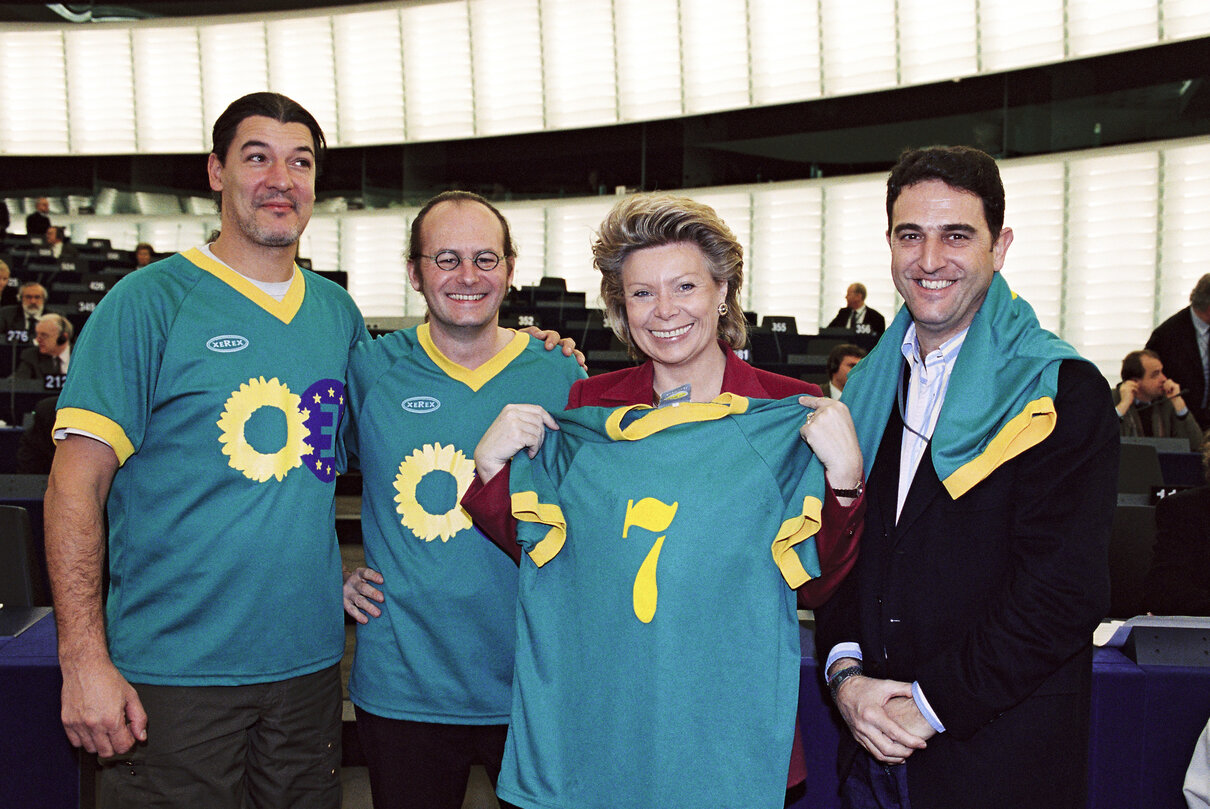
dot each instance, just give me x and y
(658, 649)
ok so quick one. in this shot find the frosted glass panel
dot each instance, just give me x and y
(437, 71)
(785, 51)
(578, 56)
(33, 93)
(1185, 238)
(570, 230)
(168, 90)
(649, 58)
(858, 45)
(715, 36)
(1021, 33)
(783, 268)
(372, 247)
(370, 90)
(1112, 209)
(925, 53)
(100, 89)
(527, 224)
(507, 53)
(1184, 18)
(1101, 26)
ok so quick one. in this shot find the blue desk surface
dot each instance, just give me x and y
(1145, 721)
(39, 769)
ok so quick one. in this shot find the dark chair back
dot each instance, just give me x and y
(17, 559)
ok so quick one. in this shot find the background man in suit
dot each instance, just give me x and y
(23, 316)
(8, 294)
(841, 360)
(60, 249)
(38, 221)
(53, 351)
(856, 315)
(1181, 342)
(1151, 404)
(959, 650)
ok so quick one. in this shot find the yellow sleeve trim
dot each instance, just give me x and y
(792, 532)
(104, 428)
(724, 404)
(473, 378)
(1027, 429)
(527, 508)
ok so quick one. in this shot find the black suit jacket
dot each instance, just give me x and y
(989, 602)
(12, 318)
(1175, 340)
(873, 319)
(35, 365)
(36, 224)
(1179, 580)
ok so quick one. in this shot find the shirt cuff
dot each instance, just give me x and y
(848, 649)
(926, 709)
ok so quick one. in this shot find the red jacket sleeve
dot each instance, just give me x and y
(490, 507)
(836, 543)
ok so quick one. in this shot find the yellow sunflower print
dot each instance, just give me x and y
(431, 458)
(251, 396)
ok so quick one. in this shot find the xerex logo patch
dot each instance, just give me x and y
(226, 343)
(420, 404)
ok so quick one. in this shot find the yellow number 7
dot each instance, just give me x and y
(655, 516)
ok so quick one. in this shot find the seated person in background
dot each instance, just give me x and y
(1150, 404)
(8, 293)
(856, 315)
(53, 351)
(60, 249)
(1179, 580)
(24, 315)
(143, 255)
(36, 449)
(841, 360)
(38, 221)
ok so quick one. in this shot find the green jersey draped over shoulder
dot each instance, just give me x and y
(223, 406)
(657, 636)
(442, 649)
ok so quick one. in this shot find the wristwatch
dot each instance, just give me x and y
(854, 493)
(838, 679)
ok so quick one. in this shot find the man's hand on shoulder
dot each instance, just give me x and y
(874, 712)
(551, 339)
(101, 710)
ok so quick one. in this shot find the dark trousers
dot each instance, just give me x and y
(424, 765)
(874, 785)
(265, 746)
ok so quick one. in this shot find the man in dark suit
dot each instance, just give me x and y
(959, 651)
(856, 315)
(38, 221)
(21, 317)
(1181, 342)
(53, 351)
(60, 249)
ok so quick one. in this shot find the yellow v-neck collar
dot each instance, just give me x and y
(661, 418)
(477, 378)
(284, 310)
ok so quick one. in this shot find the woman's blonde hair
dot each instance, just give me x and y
(653, 220)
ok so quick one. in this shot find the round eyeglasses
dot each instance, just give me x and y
(448, 260)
